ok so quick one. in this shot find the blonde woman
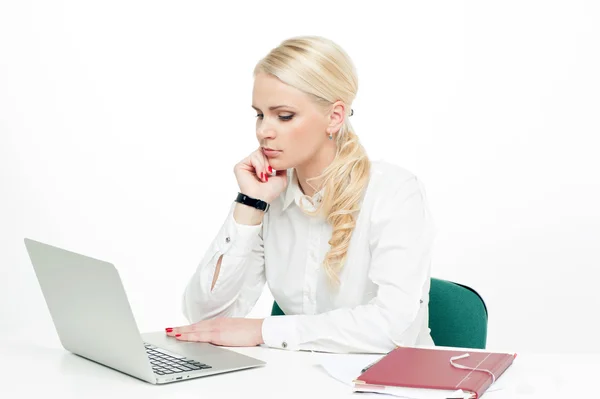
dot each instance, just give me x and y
(343, 243)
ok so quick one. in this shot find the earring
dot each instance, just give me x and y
(330, 136)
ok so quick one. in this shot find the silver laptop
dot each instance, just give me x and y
(93, 319)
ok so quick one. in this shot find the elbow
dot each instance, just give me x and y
(196, 302)
(403, 328)
(185, 304)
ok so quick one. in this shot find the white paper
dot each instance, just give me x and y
(418, 393)
(346, 368)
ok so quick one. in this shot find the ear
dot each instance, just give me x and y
(337, 116)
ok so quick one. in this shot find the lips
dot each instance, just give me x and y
(270, 152)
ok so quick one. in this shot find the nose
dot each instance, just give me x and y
(265, 132)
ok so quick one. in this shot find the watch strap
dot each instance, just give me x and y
(253, 202)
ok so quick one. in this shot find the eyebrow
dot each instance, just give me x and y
(275, 107)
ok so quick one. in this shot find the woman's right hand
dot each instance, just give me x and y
(254, 178)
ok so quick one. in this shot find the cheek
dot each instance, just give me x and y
(307, 145)
(300, 139)
(295, 136)
(304, 133)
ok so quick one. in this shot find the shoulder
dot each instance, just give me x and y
(391, 180)
(396, 195)
(393, 191)
(382, 169)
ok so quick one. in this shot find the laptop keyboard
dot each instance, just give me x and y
(164, 362)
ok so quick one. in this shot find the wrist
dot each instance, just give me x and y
(260, 338)
(257, 196)
(252, 201)
(247, 215)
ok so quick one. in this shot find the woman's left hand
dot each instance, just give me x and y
(224, 331)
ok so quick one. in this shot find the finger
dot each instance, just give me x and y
(268, 168)
(259, 166)
(201, 325)
(247, 163)
(171, 331)
(264, 165)
(197, 336)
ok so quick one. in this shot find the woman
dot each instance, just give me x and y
(343, 243)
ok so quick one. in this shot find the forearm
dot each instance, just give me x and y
(230, 276)
(239, 287)
(364, 329)
(244, 215)
(247, 215)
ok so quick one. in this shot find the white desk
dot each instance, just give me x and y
(31, 370)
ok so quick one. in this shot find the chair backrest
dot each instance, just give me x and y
(458, 316)
(276, 311)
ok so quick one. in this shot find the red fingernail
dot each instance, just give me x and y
(270, 169)
(169, 329)
(178, 335)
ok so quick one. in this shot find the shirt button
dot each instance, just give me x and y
(284, 344)
(227, 239)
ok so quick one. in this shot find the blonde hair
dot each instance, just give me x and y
(323, 70)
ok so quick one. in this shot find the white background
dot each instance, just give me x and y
(120, 123)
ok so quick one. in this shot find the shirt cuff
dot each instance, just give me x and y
(280, 332)
(236, 239)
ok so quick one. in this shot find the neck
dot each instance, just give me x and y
(314, 167)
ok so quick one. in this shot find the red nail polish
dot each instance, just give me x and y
(169, 329)
(270, 169)
(178, 335)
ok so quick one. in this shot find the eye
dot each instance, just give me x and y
(286, 117)
(260, 116)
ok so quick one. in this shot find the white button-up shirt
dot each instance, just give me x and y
(383, 296)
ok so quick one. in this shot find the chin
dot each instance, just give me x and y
(279, 164)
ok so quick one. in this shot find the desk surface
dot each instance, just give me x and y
(34, 370)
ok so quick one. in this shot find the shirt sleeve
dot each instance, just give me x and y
(400, 240)
(241, 277)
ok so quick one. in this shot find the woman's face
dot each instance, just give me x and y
(289, 123)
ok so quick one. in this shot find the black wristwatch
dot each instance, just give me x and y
(253, 202)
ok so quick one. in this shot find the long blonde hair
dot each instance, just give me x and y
(323, 70)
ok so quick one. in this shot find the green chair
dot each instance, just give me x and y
(458, 316)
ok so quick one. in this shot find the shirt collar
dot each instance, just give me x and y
(293, 194)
